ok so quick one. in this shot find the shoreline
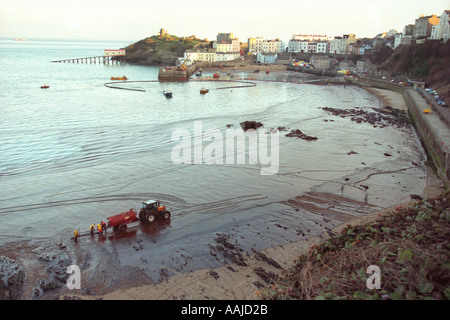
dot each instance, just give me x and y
(232, 281)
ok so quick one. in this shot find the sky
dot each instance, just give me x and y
(132, 20)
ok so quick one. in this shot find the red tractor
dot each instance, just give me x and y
(150, 211)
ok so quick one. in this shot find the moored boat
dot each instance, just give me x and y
(119, 78)
(45, 87)
(216, 75)
(204, 91)
(167, 93)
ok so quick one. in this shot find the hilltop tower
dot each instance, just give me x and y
(163, 32)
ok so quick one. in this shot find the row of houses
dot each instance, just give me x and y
(324, 62)
(307, 44)
(227, 47)
(429, 27)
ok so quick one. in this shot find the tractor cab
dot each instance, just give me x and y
(150, 204)
(151, 210)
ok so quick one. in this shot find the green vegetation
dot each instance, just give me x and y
(426, 62)
(165, 49)
(410, 246)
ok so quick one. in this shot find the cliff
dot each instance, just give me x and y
(160, 50)
(427, 62)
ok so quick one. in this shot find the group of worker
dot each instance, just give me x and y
(101, 226)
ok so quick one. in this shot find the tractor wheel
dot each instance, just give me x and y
(122, 228)
(142, 215)
(166, 215)
(150, 218)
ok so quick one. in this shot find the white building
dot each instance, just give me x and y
(397, 40)
(189, 58)
(442, 29)
(255, 44)
(114, 52)
(267, 57)
(229, 46)
(297, 46)
(312, 47)
(402, 40)
(339, 45)
(273, 46)
(206, 56)
(310, 37)
(335, 45)
(322, 47)
(227, 56)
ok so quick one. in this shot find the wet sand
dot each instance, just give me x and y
(234, 281)
(389, 98)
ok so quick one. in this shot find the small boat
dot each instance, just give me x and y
(255, 70)
(199, 74)
(45, 87)
(119, 78)
(267, 71)
(167, 93)
(204, 91)
(216, 75)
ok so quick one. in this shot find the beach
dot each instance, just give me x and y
(239, 282)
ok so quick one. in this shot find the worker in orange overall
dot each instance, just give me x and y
(99, 228)
(103, 226)
(92, 229)
(76, 235)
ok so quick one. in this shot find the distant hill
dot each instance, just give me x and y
(429, 62)
(162, 49)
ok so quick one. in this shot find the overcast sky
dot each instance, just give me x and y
(132, 20)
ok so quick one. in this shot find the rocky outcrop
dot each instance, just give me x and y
(146, 56)
(12, 278)
(298, 134)
(246, 125)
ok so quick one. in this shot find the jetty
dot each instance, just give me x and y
(97, 59)
(176, 73)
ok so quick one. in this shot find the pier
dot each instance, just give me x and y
(174, 74)
(94, 60)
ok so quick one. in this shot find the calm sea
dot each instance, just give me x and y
(78, 152)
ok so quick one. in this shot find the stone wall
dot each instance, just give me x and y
(427, 133)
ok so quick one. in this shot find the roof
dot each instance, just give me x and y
(149, 201)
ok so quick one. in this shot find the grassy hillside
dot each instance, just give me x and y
(157, 50)
(411, 246)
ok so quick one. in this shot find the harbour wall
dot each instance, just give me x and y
(433, 132)
(171, 74)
